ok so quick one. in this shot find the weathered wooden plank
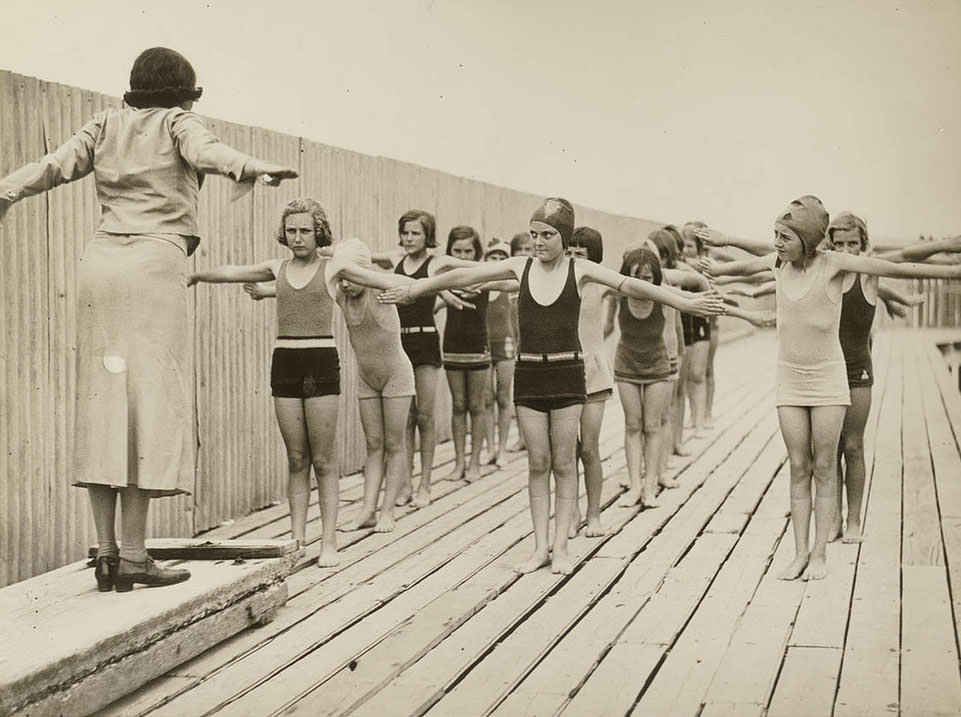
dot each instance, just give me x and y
(614, 689)
(83, 637)
(807, 683)
(823, 616)
(930, 682)
(922, 530)
(203, 549)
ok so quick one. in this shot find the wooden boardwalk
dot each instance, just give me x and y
(675, 611)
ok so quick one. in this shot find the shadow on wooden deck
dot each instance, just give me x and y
(675, 611)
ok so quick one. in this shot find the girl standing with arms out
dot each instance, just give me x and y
(133, 429)
(417, 232)
(587, 243)
(305, 368)
(549, 389)
(811, 390)
(502, 333)
(467, 360)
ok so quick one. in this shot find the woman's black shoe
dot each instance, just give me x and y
(147, 573)
(105, 571)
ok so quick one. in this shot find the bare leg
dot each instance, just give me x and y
(395, 411)
(696, 358)
(293, 429)
(505, 407)
(656, 398)
(372, 421)
(709, 374)
(457, 381)
(564, 423)
(680, 401)
(478, 385)
(795, 424)
(592, 417)
(853, 448)
(633, 406)
(535, 427)
(425, 378)
(321, 418)
(826, 424)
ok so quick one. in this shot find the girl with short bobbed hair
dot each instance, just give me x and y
(587, 243)
(311, 207)
(427, 223)
(549, 380)
(812, 395)
(148, 160)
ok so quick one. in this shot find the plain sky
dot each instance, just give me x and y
(715, 110)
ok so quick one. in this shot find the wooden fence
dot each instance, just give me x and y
(240, 458)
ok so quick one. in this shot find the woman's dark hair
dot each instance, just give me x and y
(426, 222)
(322, 233)
(663, 239)
(636, 259)
(518, 239)
(590, 239)
(466, 232)
(161, 77)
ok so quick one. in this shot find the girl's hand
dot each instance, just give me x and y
(257, 292)
(707, 303)
(707, 266)
(711, 237)
(456, 299)
(764, 319)
(399, 295)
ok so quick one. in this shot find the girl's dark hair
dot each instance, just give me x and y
(678, 239)
(590, 239)
(636, 259)
(688, 233)
(666, 245)
(161, 77)
(466, 232)
(426, 221)
(322, 233)
(518, 239)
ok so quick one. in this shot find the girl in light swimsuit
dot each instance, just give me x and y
(811, 391)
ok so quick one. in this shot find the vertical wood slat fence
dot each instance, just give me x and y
(240, 458)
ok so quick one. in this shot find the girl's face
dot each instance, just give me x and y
(578, 252)
(523, 249)
(413, 238)
(299, 233)
(788, 245)
(847, 241)
(690, 249)
(463, 249)
(546, 241)
(495, 256)
(350, 288)
(643, 272)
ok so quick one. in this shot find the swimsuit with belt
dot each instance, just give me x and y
(418, 333)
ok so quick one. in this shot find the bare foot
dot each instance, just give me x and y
(456, 474)
(366, 520)
(328, 557)
(403, 498)
(385, 524)
(537, 560)
(594, 528)
(632, 496)
(709, 424)
(701, 433)
(794, 570)
(852, 533)
(672, 462)
(500, 460)
(817, 569)
(561, 564)
(649, 500)
(669, 483)
(517, 447)
(422, 499)
(472, 474)
(680, 450)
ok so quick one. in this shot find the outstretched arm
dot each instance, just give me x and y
(714, 238)
(232, 273)
(880, 267)
(454, 279)
(922, 250)
(705, 304)
(746, 267)
(367, 277)
(686, 279)
(261, 290)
